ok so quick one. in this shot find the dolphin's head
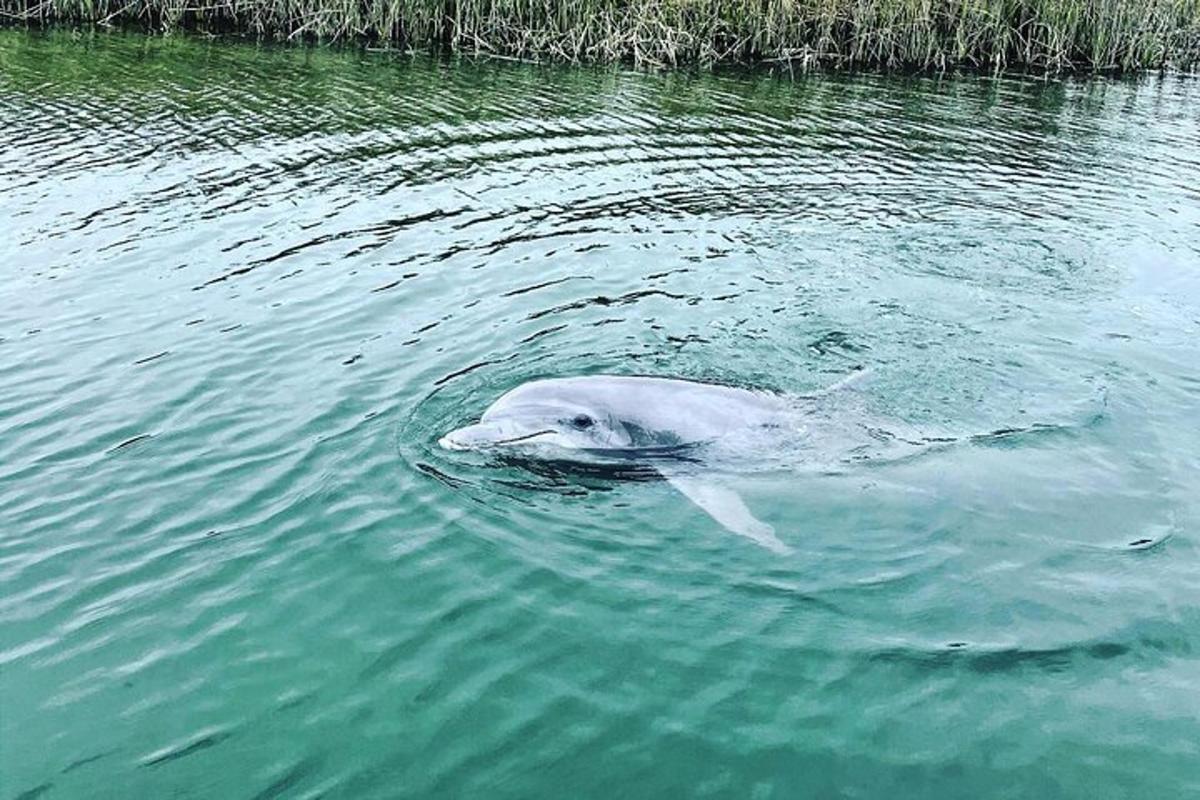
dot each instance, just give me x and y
(529, 421)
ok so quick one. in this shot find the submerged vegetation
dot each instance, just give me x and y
(1051, 35)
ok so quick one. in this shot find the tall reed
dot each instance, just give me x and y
(1048, 35)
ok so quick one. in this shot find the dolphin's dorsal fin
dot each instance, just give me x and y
(853, 379)
(726, 507)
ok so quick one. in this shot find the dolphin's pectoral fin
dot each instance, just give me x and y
(726, 507)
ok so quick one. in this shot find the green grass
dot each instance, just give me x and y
(1051, 35)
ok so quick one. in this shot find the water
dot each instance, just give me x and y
(245, 290)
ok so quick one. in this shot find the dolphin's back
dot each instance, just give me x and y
(683, 410)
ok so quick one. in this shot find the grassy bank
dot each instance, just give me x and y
(1049, 35)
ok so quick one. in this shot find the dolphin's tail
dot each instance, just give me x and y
(1096, 414)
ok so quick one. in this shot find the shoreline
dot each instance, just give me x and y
(1045, 37)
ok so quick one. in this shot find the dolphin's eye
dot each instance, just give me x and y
(583, 422)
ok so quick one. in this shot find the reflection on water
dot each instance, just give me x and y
(247, 288)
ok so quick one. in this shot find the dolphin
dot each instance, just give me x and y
(691, 433)
(696, 435)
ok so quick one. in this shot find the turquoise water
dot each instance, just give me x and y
(246, 289)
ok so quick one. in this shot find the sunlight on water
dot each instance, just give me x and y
(246, 289)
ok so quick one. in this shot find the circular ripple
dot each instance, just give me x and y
(251, 286)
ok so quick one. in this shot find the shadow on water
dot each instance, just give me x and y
(1144, 644)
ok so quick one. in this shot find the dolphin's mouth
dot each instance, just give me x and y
(524, 438)
(482, 436)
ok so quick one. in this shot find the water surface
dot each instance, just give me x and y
(245, 289)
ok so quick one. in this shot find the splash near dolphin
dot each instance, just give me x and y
(695, 435)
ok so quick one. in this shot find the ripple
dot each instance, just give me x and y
(253, 286)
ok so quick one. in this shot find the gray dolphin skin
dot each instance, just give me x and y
(692, 433)
(699, 435)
